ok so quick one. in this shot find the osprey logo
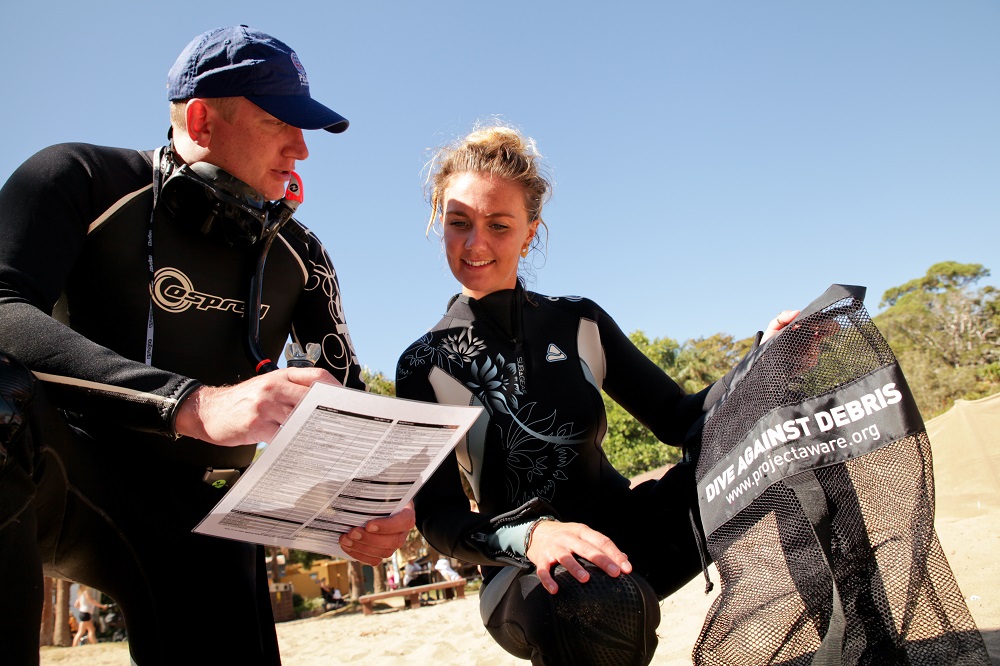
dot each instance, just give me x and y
(553, 354)
(173, 292)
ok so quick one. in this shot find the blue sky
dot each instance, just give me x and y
(714, 162)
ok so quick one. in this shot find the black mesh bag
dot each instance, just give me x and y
(817, 499)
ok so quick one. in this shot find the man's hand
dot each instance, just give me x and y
(380, 537)
(248, 412)
(553, 542)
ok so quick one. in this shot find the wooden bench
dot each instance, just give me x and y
(412, 594)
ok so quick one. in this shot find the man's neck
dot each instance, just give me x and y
(187, 151)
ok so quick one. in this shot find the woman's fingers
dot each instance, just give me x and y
(555, 543)
(784, 318)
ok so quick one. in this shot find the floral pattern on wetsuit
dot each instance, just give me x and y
(538, 448)
(338, 351)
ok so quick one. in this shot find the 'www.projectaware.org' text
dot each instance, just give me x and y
(771, 444)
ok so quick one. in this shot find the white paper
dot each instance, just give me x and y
(342, 458)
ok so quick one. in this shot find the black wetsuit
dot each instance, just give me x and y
(116, 493)
(537, 365)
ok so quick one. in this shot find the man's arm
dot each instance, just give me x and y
(319, 315)
(46, 208)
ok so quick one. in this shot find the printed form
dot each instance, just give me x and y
(343, 457)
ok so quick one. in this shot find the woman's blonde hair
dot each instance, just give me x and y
(497, 150)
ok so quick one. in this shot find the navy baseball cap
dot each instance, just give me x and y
(242, 62)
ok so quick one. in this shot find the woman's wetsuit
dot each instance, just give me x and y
(116, 493)
(537, 365)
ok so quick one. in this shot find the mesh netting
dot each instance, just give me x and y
(817, 494)
(603, 622)
(607, 619)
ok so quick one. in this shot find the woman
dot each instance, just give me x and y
(550, 505)
(85, 603)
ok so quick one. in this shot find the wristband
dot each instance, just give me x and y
(531, 530)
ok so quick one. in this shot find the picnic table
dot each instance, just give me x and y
(412, 594)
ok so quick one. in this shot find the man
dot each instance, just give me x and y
(414, 574)
(126, 289)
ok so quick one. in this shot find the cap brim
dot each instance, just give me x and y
(301, 111)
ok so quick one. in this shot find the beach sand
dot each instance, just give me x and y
(447, 633)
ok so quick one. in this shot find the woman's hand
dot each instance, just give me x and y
(774, 327)
(808, 354)
(553, 542)
(379, 538)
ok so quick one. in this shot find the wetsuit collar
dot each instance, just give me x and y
(497, 309)
(502, 310)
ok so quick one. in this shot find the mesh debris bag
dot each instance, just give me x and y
(816, 494)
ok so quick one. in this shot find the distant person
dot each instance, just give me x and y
(550, 505)
(445, 571)
(332, 598)
(138, 348)
(414, 574)
(326, 593)
(86, 604)
(443, 567)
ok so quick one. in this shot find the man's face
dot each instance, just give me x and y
(256, 147)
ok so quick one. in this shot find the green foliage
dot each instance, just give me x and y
(377, 382)
(308, 605)
(302, 557)
(661, 351)
(705, 360)
(943, 277)
(945, 334)
(989, 373)
(629, 445)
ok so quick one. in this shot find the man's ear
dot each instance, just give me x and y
(198, 116)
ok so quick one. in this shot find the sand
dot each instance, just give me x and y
(447, 633)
